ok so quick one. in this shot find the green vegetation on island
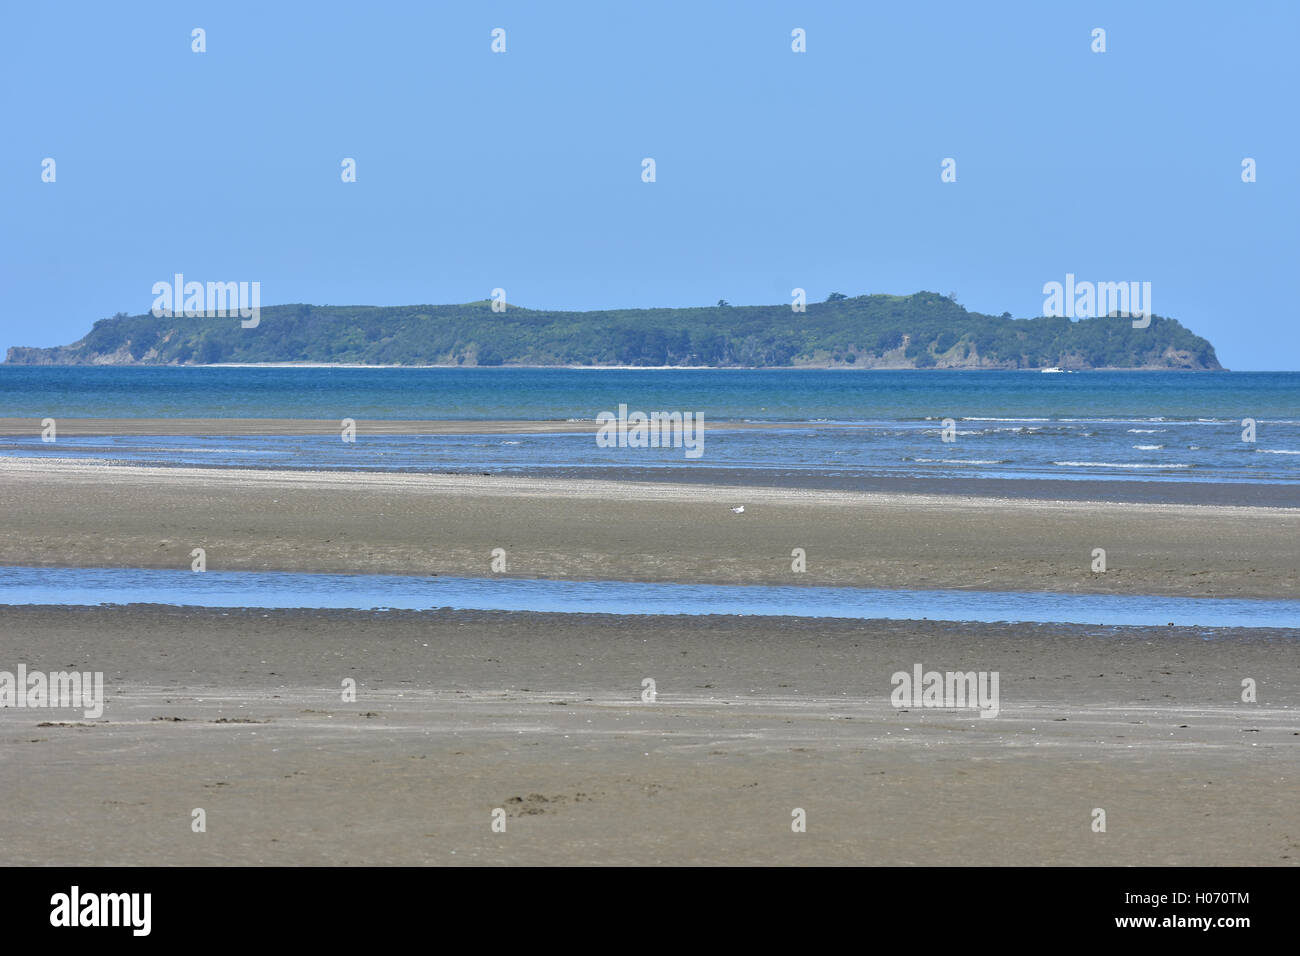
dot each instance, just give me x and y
(925, 330)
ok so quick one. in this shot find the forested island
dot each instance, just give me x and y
(925, 330)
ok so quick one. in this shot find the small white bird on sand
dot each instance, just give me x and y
(740, 510)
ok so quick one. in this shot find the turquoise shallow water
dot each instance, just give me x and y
(1153, 426)
(230, 589)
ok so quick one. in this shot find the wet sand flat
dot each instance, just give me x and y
(458, 714)
(77, 514)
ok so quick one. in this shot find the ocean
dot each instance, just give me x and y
(1144, 426)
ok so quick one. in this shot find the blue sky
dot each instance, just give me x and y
(774, 170)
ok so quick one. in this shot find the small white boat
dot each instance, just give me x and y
(1047, 371)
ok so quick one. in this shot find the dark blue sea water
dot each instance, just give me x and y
(1166, 426)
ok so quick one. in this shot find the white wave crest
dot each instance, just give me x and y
(1113, 464)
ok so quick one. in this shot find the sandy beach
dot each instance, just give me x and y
(72, 514)
(239, 713)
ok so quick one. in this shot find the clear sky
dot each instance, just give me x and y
(774, 169)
